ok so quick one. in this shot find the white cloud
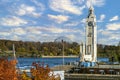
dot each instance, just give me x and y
(71, 37)
(65, 6)
(18, 31)
(103, 41)
(15, 37)
(105, 32)
(115, 18)
(113, 26)
(49, 30)
(58, 18)
(102, 17)
(72, 24)
(33, 37)
(27, 10)
(74, 6)
(98, 3)
(4, 33)
(40, 5)
(55, 30)
(39, 29)
(83, 20)
(13, 21)
(111, 35)
(34, 30)
(115, 37)
(61, 30)
(108, 37)
(24, 9)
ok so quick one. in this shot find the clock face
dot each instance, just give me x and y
(90, 23)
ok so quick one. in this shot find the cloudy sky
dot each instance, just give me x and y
(45, 20)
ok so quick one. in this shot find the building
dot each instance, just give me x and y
(88, 50)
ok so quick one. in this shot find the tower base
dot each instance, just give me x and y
(87, 64)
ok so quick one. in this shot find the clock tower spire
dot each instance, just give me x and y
(89, 54)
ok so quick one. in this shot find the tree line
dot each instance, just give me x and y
(38, 49)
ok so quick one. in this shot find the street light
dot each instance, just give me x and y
(63, 51)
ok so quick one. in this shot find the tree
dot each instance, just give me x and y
(42, 72)
(24, 76)
(8, 70)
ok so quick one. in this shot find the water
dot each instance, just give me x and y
(23, 62)
(27, 62)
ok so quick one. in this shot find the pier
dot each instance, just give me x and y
(103, 71)
(98, 72)
(91, 77)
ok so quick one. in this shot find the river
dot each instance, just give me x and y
(27, 62)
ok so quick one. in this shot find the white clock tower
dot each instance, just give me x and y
(89, 49)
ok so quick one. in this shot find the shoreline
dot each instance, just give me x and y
(59, 56)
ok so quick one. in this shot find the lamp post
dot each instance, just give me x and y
(63, 50)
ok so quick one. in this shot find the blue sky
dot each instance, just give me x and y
(45, 20)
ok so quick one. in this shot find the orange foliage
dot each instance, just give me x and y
(8, 70)
(39, 72)
(24, 76)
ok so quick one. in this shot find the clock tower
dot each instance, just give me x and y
(89, 49)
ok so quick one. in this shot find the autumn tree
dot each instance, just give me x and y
(8, 70)
(39, 71)
(42, 72)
